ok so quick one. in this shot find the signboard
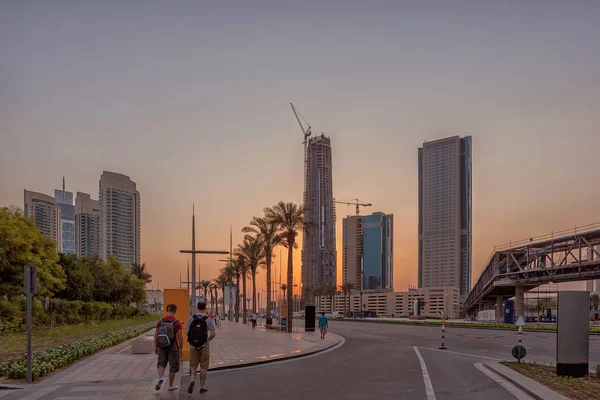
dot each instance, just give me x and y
(30, 280)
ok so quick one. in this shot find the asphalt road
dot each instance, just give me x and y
(379, 361)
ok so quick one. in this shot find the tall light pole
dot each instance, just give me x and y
(193, 251)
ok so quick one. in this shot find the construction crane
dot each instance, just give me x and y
(358, 203)
(306, 131)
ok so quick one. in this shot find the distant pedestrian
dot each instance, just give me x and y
(218, 321)
(211, 316)
(201, 330)
(323, 324)
(168, 345)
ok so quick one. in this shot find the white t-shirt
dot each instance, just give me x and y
(210, 324)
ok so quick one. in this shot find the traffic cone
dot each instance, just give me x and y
(443, 346)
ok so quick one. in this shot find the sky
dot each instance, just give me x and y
(191, 100)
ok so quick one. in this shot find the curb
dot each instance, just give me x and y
(528, 385)
(452, 326)
(15, 387)
(340, 342)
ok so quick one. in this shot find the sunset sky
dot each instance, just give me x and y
(191, 100)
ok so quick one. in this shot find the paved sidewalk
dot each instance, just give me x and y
(117, 374)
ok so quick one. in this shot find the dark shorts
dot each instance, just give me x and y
(171, 356)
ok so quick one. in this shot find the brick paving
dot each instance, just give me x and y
(117, 374)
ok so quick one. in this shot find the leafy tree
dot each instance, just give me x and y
(79, 282)
(289, 217)
(141, 272)
(21, 243)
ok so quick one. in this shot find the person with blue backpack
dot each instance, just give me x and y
(168, 345)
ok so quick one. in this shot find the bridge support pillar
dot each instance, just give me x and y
(519, 300)
(499, 308)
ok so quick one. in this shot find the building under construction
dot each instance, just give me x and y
(319, 256)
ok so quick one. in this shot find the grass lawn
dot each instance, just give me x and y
(15, 344)
(573, 388)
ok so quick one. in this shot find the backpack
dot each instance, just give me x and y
(166, 334)
(198, 332)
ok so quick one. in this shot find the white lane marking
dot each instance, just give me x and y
(462, 354)
(515, 391)
(429, 337)
(428, 385)
(510, 345)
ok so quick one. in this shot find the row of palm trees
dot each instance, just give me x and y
(279, 226)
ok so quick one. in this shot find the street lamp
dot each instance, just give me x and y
(193, 252)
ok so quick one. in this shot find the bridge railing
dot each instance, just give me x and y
(486, 273)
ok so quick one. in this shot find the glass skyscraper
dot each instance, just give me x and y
(368, 251)
(445, 193)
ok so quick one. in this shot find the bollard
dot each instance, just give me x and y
(443, 346)
(520, 335)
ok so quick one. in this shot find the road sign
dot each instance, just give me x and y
(520, 321)
(30, 279)
(519, 352)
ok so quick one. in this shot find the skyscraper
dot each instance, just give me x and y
(120, 218)
(64, 200)
(368, 251)
(319, 256)
(46, 214)
(445, 213)
(87, 225)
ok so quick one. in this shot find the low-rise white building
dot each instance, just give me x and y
(433, 301)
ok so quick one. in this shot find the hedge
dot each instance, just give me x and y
(13, 315)
(47, 361)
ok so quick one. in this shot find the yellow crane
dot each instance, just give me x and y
(354, 202)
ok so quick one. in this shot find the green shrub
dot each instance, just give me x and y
(46, 361)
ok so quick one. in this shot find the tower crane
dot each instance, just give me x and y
(358, 203)
(307, 132)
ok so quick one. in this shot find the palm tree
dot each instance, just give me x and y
(347, 288)
(242, 268)
(253, 254)
(228, 272)
(289, 218)
(220, 283)
(308, 291)
(283, 288)
(268, 235)
(331, 291)
(204, 285)
(317, 292)
(140, 272)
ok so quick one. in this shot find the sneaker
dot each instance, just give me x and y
(159, 384)
(171, 388)
(191, 387)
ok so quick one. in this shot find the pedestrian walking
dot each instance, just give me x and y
(168, 345)
(323, 324)
(218, 321)
(201, 330)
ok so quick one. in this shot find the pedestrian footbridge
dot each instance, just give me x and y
(512, 269)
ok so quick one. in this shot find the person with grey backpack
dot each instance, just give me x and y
(168, 345)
